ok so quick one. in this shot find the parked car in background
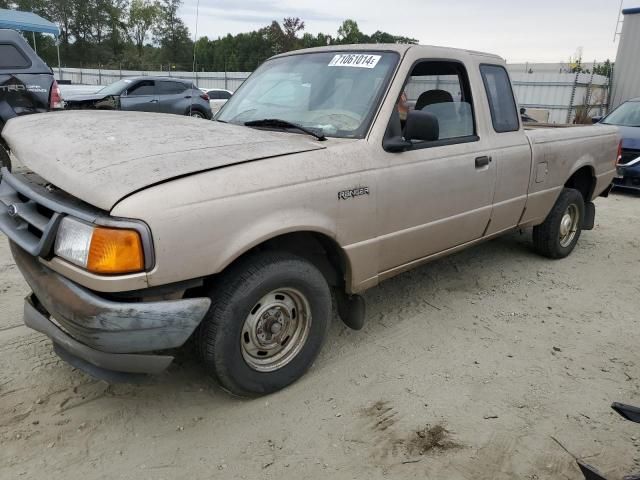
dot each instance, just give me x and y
(71, 90)
(146, 94)
(217, 98)
(627, 118)
(26, 82)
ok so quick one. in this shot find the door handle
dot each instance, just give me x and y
(155, 100)
(187, 96)
(482, 161)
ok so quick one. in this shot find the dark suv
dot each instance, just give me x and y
(26, 83)
(147, 94)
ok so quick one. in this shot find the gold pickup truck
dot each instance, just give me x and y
(327, 172)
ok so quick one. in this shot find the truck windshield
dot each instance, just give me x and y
(626, 115)
(335, 93)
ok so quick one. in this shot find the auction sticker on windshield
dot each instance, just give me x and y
(355, 60)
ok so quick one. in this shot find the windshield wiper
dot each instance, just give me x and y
(278, 123)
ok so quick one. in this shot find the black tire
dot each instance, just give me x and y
(196, 113)
(235, 296)
(547, 236)
(5, 161)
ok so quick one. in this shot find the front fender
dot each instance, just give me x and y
(288, 221)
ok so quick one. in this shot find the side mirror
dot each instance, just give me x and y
(421, 126)
(596, 119)
(523, 110)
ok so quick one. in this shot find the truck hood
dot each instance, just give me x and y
(102, 157)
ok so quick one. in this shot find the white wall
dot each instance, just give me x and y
(626, 75)
(547, 91)
(553, 92)
(229, 80)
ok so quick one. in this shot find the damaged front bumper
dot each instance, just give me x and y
(104, 337)
(628, 177)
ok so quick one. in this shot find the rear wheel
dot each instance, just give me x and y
(5, 161)
(269, 316)
(558, 235)
(196, 114)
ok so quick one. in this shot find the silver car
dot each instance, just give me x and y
(146, 94)
(217, 98)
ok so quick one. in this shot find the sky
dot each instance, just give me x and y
(518, 30)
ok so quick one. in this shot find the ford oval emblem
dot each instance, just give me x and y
(12, 210)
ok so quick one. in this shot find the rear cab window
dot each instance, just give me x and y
(11, 57)
(502, 104)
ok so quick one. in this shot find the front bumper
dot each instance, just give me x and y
(628, 177)
(108, 335)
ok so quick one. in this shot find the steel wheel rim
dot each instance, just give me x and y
(275, 330)
(196, 115)
(569, 225)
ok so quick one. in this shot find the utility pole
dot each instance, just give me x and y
(616, 33)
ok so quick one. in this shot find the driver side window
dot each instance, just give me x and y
(145, 87)
(440, 89)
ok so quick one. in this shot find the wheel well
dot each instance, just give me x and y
(319, 249)
(583, 181)
(196, 108)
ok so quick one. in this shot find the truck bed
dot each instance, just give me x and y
(559, 151)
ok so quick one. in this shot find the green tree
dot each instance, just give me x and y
(349, 32)
(384, 37)
(143, 15)
(290, 28)
(605, 68)
(172, 34)
(62, 14)
(138, 33)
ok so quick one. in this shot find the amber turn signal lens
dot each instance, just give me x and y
(115, 251)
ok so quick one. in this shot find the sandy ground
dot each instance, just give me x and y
(466, 369)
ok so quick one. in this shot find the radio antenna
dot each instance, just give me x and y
(193, 68)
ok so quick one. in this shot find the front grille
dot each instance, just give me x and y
(25, 221)
(30, 213)
(629, 155)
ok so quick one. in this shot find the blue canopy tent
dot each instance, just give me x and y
(30, 22)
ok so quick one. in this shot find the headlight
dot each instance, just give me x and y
(99, 249)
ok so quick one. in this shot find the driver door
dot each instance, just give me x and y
(140, 97)
(437, 194)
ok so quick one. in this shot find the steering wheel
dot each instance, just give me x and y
(341, 119)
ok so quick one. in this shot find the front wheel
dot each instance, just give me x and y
(558, 235)
(269, 316)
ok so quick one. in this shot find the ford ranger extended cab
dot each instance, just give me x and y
(137, 232)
